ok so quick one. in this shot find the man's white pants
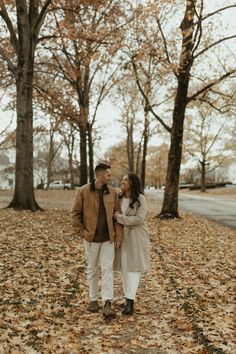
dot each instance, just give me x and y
(130, 280)
(100, 253)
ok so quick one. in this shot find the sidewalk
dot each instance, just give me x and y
(225, 192)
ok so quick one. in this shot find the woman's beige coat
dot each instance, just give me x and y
(136, 236)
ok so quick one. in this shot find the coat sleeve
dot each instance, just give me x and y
(138, 218)
(119, 228)
(77, 214)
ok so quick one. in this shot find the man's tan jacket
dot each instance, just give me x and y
(85, 212)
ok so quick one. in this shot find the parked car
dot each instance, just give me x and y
(59, 185)
(41, 186)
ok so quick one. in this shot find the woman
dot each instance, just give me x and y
(135, 244)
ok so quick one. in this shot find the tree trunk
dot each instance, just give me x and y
(137, 166)
(170, 201)
(130, 146)
(90, 146)
(24, 197)
(83, 123)
(72, 179)
(50, 158)
(24, 36)
(145, 144)
(70, 157)
(203, 176)
(83, 155)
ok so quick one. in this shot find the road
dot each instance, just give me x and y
(218, 208)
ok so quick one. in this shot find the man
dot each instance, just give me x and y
(92, 220)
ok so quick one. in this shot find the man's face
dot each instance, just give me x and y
(105, 176)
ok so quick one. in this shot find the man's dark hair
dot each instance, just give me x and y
(102, 166)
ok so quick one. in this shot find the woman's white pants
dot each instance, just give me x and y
(99, 253)
(130, 280)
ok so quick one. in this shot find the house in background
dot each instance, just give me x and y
(226, 173)
(7, 172)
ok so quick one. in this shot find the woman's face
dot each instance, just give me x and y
(125, 184)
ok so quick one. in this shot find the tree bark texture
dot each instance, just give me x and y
(130, 145)
(90, 147)
(144, 154)
(72, 179)
(170, 201)
(203, 176)
(24, 197)
(83, 122)
(83, 155)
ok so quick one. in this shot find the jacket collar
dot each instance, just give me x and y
(104, 187)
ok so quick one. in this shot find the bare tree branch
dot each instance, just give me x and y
(148, 105)
(207, 87)
(211, 104)
(216, 136)
(7, 20)
(198, 33)
(6, 129)
(42, 15)
(10, 64)
(104, 92)
(165, 44)
(218, 11)
(214, 44)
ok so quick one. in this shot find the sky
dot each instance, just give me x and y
(107, 116)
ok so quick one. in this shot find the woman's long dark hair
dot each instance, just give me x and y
(135, 189)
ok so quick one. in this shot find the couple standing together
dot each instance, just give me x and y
(109, 223)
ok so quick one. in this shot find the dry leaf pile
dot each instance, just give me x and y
(185, 303)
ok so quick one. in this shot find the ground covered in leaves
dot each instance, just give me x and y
(185, 303)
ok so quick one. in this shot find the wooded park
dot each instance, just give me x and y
(185, 304)
(168, 68)
(169, 65)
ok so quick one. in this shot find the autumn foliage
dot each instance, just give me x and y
(185, 303)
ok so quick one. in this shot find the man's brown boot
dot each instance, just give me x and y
(107, 310)
(93, 306)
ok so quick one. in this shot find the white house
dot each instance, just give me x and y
(7, 172)
(226, 173)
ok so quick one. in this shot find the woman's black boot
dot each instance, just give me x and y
(129, 307)
(122, 306)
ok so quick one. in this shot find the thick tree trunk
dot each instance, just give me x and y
(170, 201)
(83, 99)
(24, 38)
(24, 197)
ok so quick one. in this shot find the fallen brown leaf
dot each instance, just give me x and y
(185, 302)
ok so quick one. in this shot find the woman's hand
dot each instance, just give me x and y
(117, 244)
(115, 215)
